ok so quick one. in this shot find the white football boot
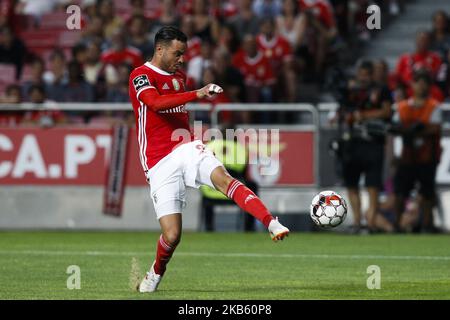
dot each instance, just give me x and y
(150, 282)
(277, 230)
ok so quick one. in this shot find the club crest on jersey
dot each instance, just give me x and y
(176, 84)
(140, 82)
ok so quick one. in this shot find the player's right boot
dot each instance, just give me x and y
(150, 282)
(277, 230)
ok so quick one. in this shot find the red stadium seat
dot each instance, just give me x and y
(27, 22)
(69, 38)
(40, 38)
(54, 21)
(7, 73)
(7, 76)
(26, 73)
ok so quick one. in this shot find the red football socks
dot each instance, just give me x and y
(249, 202)
(164, 252)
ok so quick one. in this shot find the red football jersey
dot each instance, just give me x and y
(155, 128)
(129, 55)
(257, 71)
(322, 9)
(194, 47)
(275, 50)
(408, 63)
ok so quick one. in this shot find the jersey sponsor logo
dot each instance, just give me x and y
(176, 84)
(141, 82)
(165, 86)
(179, 109)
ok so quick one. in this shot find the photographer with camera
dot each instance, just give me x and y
(418, 121)
(364, 110)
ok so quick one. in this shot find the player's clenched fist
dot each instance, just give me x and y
(209, 90)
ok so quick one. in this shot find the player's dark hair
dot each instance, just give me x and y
(165, 35)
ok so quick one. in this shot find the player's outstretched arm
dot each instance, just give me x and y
(158, 102)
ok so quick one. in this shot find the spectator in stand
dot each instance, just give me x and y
(79, 53)
(318, 31)
(98, 74)
(440, 34)
(94, 32)
(37, 76)
(11, 118)
(418, 122)
(89, 10)
(138, 9)
(167, 16)
(222, 10)
(423, 57)
(257, 71)
(13, 94)
(138, 38)
(341, 10)
(48, 117)
(119, 91)
(111, 21)
(381, 73)
(197, 64)
(12, 50)
(9, 17)
(194, 42)
(278, 51)
(76, 89)
(267, 8)
(56, 76)
(229, 39)
(245, 21)
(228, 77)
(205, 25)
(121, 53)
(289, 23)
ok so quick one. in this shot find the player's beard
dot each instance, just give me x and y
(170, 67)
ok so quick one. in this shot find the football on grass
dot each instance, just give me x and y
(328, 209)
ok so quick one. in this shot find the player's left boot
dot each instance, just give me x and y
(277, 230)
(150, 282)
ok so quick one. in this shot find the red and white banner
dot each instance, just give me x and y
(80, 156)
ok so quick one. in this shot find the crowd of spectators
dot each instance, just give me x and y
(377, 103)
(258, 50)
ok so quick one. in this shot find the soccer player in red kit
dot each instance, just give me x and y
(170, 161)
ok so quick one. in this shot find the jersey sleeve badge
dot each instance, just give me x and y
(141, 82)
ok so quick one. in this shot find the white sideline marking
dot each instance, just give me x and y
(228, 255)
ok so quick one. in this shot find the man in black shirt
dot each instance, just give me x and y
(363, 113)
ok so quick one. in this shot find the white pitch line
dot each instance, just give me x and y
(227, 255)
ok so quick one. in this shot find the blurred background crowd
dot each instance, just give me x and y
(258, 50)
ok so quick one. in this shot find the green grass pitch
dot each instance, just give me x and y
(225, 266)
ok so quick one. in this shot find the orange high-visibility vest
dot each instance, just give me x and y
(428, 149)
